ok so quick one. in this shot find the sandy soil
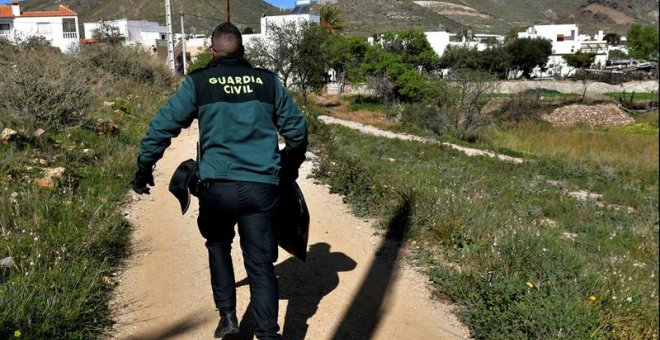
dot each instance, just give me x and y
(356, 284)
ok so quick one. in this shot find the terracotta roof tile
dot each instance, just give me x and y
(5, 12)
(63, 11)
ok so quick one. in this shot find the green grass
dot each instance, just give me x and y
(633, 147)
(364, 103)
(68, 240)
(531, 94)
(493, 235)
(634, 95)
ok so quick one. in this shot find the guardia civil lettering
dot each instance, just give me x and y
(236, 84)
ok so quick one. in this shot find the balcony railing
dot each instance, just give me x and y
(70, 35)
(5, 32)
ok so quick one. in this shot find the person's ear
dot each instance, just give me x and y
(213, 53)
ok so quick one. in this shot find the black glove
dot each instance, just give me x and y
(142, 178)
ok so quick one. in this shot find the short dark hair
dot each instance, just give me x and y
(227, 34)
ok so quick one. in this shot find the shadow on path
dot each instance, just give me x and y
(177, 329)
(304, 285)
(365, 312)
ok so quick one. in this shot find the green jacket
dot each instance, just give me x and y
(240, 111)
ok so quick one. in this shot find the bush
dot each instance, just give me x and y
(127, 63)
(426, 116)
(521, 107)
(33, 96)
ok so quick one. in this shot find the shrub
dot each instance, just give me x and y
(33, 96)
(521, 107)
(126, 63)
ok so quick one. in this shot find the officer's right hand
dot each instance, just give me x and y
(142, 178)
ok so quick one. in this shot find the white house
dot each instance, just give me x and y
(135, 32)
(566, 40)
(59, 26)
(439, 41)
(267, 22)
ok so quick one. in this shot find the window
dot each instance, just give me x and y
(560, 37)
(69, 25)
(44, 28)
(4, 27)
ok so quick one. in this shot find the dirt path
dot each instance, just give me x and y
(371, 130)
(355, 284)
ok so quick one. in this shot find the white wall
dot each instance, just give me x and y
(135, 31)
(51, 29)
(281, 20)
(439, 41)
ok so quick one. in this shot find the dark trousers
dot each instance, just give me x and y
(254, 207)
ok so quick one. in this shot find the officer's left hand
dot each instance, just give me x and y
(142, 178)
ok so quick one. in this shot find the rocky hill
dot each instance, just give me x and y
(367, 17)
(592, 15)
(201, 15)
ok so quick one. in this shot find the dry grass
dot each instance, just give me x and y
(339, 107)
(616, 147)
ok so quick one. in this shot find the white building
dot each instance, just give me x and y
(135, 32)
(268, 22)
(567, 40)
(439, 41)
(60, 26)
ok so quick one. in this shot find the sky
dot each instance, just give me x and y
(282, 3)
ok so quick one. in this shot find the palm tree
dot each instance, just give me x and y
(331, 20)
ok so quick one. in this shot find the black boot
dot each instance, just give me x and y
(228, 326)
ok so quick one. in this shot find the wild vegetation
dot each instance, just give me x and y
(518, 246)
(73, 123)
(518, 251)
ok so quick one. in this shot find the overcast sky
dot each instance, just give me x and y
(276, 3)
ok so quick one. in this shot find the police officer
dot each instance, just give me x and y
(240, 110)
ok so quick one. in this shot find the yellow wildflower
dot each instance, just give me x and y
(592, 298)
(530, 284)
(17, 334)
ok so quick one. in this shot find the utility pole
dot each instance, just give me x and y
(170, 36)
(183, 46)
(228, 12)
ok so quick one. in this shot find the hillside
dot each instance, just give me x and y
(499, 16)
(366, 17)
(201, 15)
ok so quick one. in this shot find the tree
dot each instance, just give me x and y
(202, 59)
(643, 42)
(612, 38)
(496, 60)
(513, 33)
(417, 50)
(527, 54)
(580, 60)
(345, 56)
(460, 57)
(331, 20)
(616, 54)
(248, 30)
(108, 33)
(310, 60)
(277, 52)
